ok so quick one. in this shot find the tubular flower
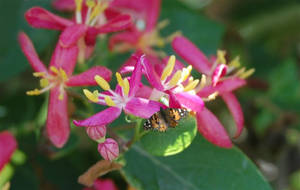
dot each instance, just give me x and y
(109, 149)
(177, 84)
(56, 79)
(8, 145)
(220, 79)
(144, 34)
(103, 184)
(89, 21)
(122, 98)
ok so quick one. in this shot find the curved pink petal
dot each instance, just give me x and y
(236, 111)
(227, 85)
(118, 23)
(71, 35)
(143, 91)
(136, 76)
(191, 54)
(190, 101)
(218, 73)
(124, 37)
(173, 102)
(102, 118)
(87, 78)
(30, 53)
(40, 18)
(128, 66)
(8, 145)
(211, 128)
(141, 107)
(64, 5)
(151, 75)
(65, 58)
(58, 125)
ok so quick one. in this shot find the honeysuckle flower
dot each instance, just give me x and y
(8, 145)
(109, 149)
(56, 79)
(144, 34)
(96, 133)
(122, 98)
(177, 84)
(89, 21)
(220, 79)
(103, 184)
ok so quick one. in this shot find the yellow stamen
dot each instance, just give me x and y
(191, 85)
(63, 74)
(213, 96)
(203, 81)
(91, 96)
(109, 101)
(175, 78)
(126, 87)
(78, 5)
(54, 69)
(186, 72)
(235, 62)
(99, 8)
(39, 74)
(247, 73)
(44, 82)
(240, 72)
(221, 57)
(90, 3)
(96, 93)
(169, 68)
(119, 79)
(162, 24)
(102, 82)
(33, 92)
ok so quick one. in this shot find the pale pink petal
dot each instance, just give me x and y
(143, 91)
(151, 75)
(58, 125)
(102, 118)
(128, 66)
(40, 18)
(65, 58)
(30, 53)
(211, 128)
(64, 5)
(190, 101)
(87, 78)
(118, 23)
(141, 107)
(8, 145)
(136, 76)
(96, 132)
(236, 111)
(71, 35)
(191, 54)
(227, 85)
(109, 150)
(218, 73)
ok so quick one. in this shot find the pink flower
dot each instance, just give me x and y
(89, 21)
(109, 149)
(96, 132)
(174, 81)
(219, 79)
(122, 98)
(57, 78)
(103, 184)
(144, 34)
(8, 145)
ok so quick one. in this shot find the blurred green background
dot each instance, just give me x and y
(264, 33)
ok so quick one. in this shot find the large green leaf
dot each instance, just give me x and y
(202, 166)
(173, 141)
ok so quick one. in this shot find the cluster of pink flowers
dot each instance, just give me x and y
(138, 31)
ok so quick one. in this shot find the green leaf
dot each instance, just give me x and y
(201, 166)
(173, 141)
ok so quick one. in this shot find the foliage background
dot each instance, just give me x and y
(265, 33)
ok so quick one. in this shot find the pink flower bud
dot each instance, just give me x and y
(109, 150)
(96, 132)
(218, 73)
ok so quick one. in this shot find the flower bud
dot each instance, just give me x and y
(109, 149)
(96, 132)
